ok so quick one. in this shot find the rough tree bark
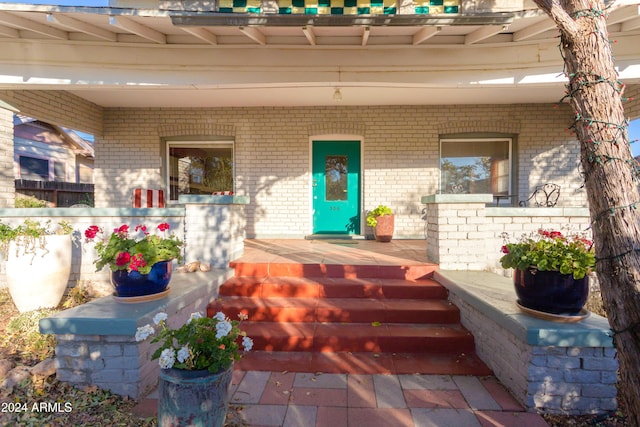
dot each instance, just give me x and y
(611, 176)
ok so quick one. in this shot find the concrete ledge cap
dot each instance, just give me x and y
(90, 212)
(538, 212)
(495, 297)
(106, 316)
(457, 198)
(214, 200)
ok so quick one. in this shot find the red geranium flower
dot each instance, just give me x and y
(143, 228)
(163, 226)
(137, 261)
(123, 258)
(91, 232)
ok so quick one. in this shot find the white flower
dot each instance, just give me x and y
(183, 354)
(194, 316)
(159, 317)
(222, 329)
(143, 332)
(220, 316)
(247, 343)
(167, 358)
(242, 316)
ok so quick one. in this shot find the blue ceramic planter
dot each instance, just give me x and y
(550, 291)
(134, 284)
(193, 398)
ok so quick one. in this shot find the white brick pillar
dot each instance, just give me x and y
(214, 228)
(457, 230)
(7, 183)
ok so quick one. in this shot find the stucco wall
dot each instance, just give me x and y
(272, 153)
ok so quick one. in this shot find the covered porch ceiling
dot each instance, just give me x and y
(129, 57)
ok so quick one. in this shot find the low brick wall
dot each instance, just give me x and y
(555, 368)
(464, 233)
(96, 344)
(212, 227)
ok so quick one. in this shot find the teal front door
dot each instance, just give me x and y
(336, 187)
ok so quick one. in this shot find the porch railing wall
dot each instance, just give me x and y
(464, 234)
(212, 228)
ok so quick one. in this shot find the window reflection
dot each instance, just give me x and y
(336, 177)
(200, 168)
(475, 166)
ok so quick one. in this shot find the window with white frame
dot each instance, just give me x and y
(197, 167)
(476, 166)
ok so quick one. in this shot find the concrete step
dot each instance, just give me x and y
(319, 287)
(343, 310)
(359, 337)
(364, 363)
(347, 318)
(407, 272)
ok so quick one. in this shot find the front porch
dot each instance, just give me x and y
(95, 349)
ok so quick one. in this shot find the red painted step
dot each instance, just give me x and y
(359, 337)
(302, 287)
(406, 272)
(343, 318)
(350, 310)
(364, 363)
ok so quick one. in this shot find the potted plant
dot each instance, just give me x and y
(196, 362)
(551, 271)
(38, 262)
(140, 262)
(382, 221)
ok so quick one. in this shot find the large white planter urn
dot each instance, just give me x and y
(38, 278)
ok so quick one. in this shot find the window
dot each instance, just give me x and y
(199, 167)
(34, 169)
(475, 166)
(59, 172)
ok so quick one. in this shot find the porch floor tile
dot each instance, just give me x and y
(336, 400)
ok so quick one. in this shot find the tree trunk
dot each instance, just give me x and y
(611, 176)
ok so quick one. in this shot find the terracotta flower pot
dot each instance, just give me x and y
(384, 229)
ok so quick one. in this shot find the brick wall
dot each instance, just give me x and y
(56, 107)
(7, 186)
(467, 235)
(550, 379)
(272, 154)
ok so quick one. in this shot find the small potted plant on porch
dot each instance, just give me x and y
(38, 258)
(140, 262)
(551, 271)
(381, 219)
(196, 362)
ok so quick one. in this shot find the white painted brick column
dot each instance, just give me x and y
(457, 230)
(214, 228)
(7, 183)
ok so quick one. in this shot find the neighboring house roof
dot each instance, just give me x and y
(36, 130)
(185, 56)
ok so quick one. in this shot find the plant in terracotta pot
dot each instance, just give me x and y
(196, 362)
(551, 270)
(140, 261)
(38, 258)
(382, 221)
